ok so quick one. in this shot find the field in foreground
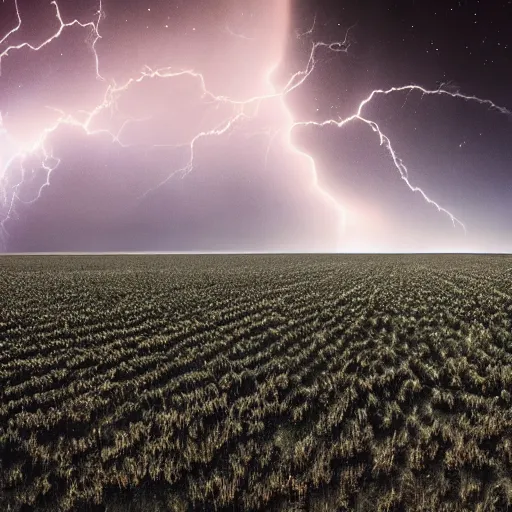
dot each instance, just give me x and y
(256, 383)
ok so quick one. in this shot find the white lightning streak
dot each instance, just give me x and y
(94, 25)
(189, 166)
(301, 76)
(439, 92)
(307, 32)
(17, 27)
(385, 141)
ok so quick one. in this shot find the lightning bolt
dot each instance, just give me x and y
(439, 92)
(93, 25)
(16, 28)
(385, 141)
(307, 32)
(242, 110)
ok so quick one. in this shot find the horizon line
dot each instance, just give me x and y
(243, 253)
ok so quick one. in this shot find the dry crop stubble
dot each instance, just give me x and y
(296, 382)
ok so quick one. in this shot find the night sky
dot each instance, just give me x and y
(216, 125)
